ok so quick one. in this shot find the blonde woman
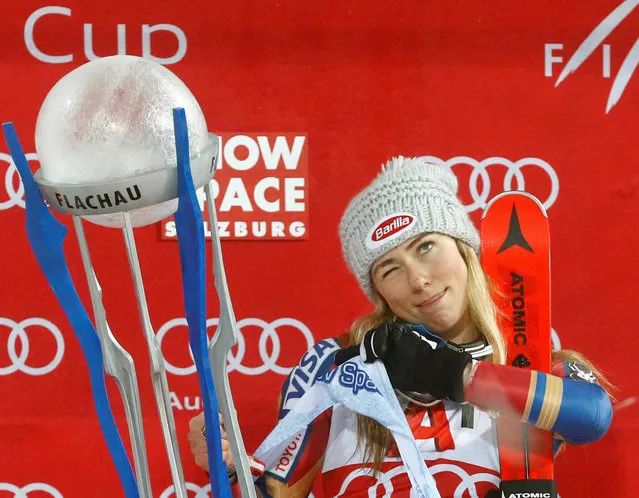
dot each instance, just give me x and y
(409, 242)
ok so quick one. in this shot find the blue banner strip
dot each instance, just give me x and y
(46, 236)
(190, 232)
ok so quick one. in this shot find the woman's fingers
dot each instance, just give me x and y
(197, 422)
(202, 461)
(197, 442)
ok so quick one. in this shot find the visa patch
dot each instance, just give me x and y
(316, 362)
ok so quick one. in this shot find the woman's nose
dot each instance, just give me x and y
(418, 278)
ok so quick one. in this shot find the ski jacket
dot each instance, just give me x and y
(461, 451)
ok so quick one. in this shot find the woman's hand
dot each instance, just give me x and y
(413, 364)
(197, 442)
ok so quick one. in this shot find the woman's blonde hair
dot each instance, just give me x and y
(375, 438)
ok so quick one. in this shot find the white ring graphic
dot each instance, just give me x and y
(18, 331)
(200, 491)
(468, 482)
(466, 479)
(269, 332)
(556, 342)
(514, 172)
(24, 492)
(16, 197)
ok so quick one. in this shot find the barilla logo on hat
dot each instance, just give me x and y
(389, 228)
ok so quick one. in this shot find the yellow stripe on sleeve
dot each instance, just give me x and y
(552, 402)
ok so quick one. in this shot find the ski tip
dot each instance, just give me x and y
(511, 193)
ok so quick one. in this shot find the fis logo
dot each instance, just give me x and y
(388, 229)
(594, 40)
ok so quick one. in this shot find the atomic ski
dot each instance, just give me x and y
(515, 253)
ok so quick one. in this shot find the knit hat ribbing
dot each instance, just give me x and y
(408, 197)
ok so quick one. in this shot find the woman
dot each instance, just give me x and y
(413, 249)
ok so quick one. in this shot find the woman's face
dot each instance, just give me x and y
(424, 281)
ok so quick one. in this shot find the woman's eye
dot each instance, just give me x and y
(388, 272)
(425, 247)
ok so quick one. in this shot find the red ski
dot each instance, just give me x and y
(515, 253)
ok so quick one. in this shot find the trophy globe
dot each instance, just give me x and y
(106, 142)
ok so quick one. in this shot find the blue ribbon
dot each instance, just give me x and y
(46, 236)
(190, 231)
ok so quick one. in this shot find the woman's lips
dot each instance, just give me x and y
(432, 300)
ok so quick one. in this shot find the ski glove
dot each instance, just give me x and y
(411, 362)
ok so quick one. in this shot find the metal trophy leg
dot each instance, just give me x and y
(158, 372)
(119, 365)
(224, 339)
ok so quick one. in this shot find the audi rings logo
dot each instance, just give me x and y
(200, 491)
(18, 361)
(12, 183)
(555, 341)
(269, 332)
(516, 174)
(30, 488)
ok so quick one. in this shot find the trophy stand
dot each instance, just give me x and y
(111, 154)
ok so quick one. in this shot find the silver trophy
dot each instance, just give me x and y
(113, 137)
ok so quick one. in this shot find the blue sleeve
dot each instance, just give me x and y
(309, 445)
(585, 412)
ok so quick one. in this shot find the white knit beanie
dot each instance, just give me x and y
(408, 197)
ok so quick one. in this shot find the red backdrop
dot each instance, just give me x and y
(473, 85)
